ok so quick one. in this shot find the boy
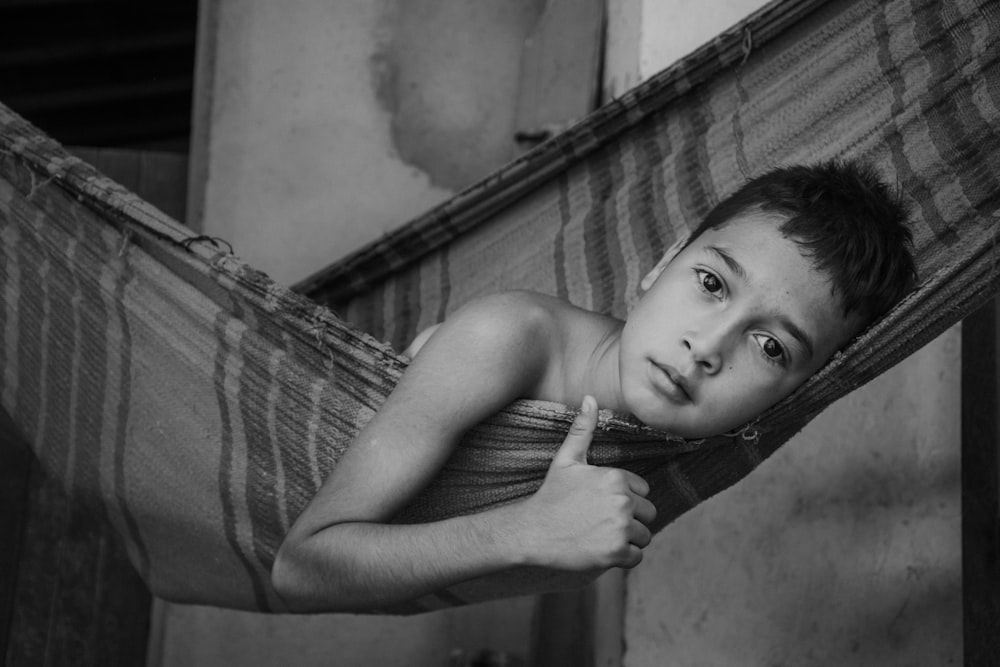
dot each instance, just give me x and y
(775, 280)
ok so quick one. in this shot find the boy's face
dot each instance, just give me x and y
(727, 328)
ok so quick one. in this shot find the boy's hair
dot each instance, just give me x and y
(844, 218)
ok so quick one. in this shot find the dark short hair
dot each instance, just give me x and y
(845, 219)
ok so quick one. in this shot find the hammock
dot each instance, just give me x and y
(198, 405)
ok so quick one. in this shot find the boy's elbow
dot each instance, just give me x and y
(287, 579)
(302, 589)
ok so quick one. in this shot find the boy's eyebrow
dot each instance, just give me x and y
(795, 330)
(730, 261)
(798, 334)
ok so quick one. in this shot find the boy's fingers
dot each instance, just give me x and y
(637, 484)
(644, 511)
(581, 432)
(634, 557)
(639, 535)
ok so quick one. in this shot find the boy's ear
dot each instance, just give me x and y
(672, 251)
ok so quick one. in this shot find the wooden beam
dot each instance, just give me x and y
(981, 486)
(581, 628)
(15, 468)
(560, 70)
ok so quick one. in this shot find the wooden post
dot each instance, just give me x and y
(15, 467)
(981, 486)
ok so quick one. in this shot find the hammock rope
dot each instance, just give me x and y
(199, 405)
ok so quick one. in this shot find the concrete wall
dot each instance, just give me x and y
(843, 548)
(333, 122)
(188, 636)
(645, 36)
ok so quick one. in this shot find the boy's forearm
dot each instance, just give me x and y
(364, 566)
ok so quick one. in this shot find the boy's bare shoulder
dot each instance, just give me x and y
(501, 319)
(550, 338)
(532, 314)
(537, 325)
(516, 316)
(526, 343)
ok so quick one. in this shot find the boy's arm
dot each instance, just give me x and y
(341, 555)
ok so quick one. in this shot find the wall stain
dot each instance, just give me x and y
(447, 75)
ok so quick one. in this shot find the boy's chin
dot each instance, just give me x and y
(689, 422)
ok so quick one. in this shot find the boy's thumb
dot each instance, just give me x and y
(581, 432)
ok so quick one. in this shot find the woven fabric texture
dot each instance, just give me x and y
(198, 405)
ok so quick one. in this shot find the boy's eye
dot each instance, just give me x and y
(710, 282)
(770, 347)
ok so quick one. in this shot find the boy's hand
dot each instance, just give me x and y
(587, 517)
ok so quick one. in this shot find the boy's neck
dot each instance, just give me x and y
(595, 370)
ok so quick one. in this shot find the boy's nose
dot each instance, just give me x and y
(706, 350)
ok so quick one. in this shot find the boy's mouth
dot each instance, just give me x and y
(670, 383)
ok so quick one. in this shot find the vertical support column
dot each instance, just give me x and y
(201, 113)
(15, 467)
(981, 485)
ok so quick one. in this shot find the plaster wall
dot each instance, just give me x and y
(646, 36)
(844, 547)
(332, 123)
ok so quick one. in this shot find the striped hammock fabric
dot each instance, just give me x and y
(198, 405)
